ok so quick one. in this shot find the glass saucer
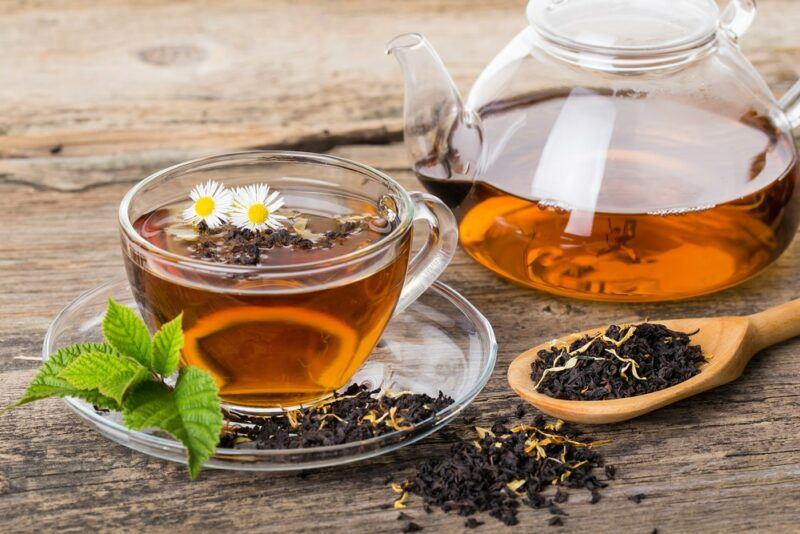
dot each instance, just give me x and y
(441, 342)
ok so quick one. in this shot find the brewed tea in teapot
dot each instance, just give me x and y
(614, 150)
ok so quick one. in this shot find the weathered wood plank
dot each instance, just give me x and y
(101, 94)
(705, 464)
(89, 78)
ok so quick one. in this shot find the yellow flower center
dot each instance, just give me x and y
(204, 206)
(257, 213)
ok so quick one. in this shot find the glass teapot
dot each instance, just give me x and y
(613, 150)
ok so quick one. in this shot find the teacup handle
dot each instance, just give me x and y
(738, 17)
(435, 255)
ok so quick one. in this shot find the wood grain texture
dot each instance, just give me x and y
(102, 93)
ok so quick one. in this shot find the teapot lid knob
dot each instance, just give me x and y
(630, 25)
(738, 17)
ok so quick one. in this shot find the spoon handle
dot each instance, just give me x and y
(776, 324)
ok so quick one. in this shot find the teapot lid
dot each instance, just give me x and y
(625, 25)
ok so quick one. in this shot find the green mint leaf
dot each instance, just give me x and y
(167, 345)
(110, 374)
(48, 383)
(124, 331)
(191, 413)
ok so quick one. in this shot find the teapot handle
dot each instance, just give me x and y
(737, 18)
(791, 105)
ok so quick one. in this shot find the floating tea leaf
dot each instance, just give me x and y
(232, 245)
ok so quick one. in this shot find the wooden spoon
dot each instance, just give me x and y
(730, 342)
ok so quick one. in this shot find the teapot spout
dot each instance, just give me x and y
(442, 136)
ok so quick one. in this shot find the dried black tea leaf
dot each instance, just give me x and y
(611, 472)
(624, 361)
(355, 415)
(411, 527)
(504, 466)
(638, 498)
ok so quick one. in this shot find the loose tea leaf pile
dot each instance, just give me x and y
(505, 466)
(355, 415)
(622, 362)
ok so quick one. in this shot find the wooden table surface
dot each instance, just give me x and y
(96, 95)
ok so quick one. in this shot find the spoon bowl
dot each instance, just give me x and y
(727, 342)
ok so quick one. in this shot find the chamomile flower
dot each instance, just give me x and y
(254, 208)
(211, 203)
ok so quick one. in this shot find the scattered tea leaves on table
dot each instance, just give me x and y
(623, 361)
(471, 522)
(411, 527)
(504, 466)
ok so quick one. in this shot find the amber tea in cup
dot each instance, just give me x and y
(281, 316)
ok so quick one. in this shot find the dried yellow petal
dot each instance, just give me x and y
(291, 416)
(572, 362)
(401, 502)
(395, 421)
(394, 394)
(324, 419)
(623, 339)
(514, 485)
(371, 416)
(300, 227)
(583, 348)
(631, 364)
(483, 432)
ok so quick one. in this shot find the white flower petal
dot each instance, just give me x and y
(222, 198)
(275, 206)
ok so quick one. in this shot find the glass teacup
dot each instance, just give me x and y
(281, 335)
